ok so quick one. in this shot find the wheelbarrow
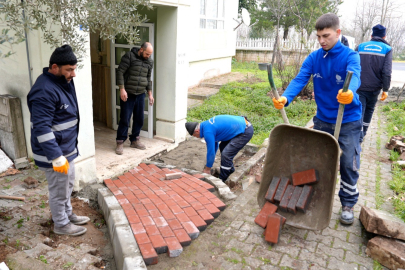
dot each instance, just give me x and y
(294, 149)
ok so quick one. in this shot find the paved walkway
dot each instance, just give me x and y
(234, 241)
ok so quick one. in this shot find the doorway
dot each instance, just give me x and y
(118, 49)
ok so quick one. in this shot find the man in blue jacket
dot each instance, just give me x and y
(55, 120)
(228, 133)
(376, 68)
(329, 66)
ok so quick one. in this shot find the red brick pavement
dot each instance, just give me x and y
(164, 214)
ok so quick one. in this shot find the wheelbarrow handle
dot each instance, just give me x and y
(342, 106)
(276, 95)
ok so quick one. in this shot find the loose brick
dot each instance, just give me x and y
(174, 224)
(273, 229)
(152, 230)
(138, 228)
(160, 221)
(165, 231)
(294, 199)
(183, 237)
(170, 176)
(199, 223)
(283, 219)
(267, 210)
(182, 217)
(305, 198)
(281, 189)
(218, 203)
(271, 192)
(190, 211)
(214, 211)
(306, 177)
(142, 238)
(206, 216)
(158, 243)
(191, 229)
(286, 198)
(149, 254)
(174, 248)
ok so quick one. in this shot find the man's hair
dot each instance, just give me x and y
(50, 66)
(145, 45)
(328, 20)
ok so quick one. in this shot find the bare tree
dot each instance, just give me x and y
(278, 8)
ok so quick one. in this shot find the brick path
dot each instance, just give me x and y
(164, 215)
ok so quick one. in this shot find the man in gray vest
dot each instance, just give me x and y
(134, 80)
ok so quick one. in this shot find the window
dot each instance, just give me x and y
(212, 14)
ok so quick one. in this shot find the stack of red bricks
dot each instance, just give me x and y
(165, 215)
(290, 197)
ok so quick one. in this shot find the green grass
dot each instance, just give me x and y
(395, 113)
(252, 101)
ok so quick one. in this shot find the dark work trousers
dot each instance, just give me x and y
(230, 148)
(349, 160)
(368, 100)
(60, 187)
(134, 105)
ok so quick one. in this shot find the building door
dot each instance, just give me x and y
(118, 49)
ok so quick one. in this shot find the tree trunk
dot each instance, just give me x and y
(275, 43)
(285, 33)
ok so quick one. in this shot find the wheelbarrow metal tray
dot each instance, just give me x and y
(294, 149)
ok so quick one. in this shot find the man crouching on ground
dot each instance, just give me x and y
(55, 120)
(229, 133)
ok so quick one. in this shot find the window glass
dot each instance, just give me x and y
(212, 8)
(202, 23)
(221, 9)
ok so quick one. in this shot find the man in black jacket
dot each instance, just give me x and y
(376, 68)
(134, 80)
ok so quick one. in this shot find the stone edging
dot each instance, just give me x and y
(126, 251)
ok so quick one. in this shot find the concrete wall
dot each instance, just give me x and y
(264, 56)
(15, 81)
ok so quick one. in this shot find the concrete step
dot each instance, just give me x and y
(191, 103)
(202, 93)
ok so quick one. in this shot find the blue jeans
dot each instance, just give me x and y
(349, 160)
(368, 100)
(134, 105)
(229, 149)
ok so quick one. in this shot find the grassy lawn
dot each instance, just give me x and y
(251, 100)
(395, 113)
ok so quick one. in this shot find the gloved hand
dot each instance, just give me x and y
(60, 165)
(279, 104)
(384, 95)
(346, 97)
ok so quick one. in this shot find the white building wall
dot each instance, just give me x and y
(211, 50)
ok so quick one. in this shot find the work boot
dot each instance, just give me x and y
(78, 220)
(69, 229)
(137, 144)
(347, 216)
(215, 171)
(120, 147)
(231, 184)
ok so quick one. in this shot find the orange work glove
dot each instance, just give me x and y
(346, 97)
(384, 95)
(279, 104)
(60, 165)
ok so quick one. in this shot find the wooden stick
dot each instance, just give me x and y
(12, 198)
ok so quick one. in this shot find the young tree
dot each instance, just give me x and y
(59, 20)
(250, 5)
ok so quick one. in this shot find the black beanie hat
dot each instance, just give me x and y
(190, 126)
(63, 56)
(378, 31)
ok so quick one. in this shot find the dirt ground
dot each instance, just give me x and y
(19, 224)
(192, 154)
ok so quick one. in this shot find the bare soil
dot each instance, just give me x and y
(192, 154)
(25, 220)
